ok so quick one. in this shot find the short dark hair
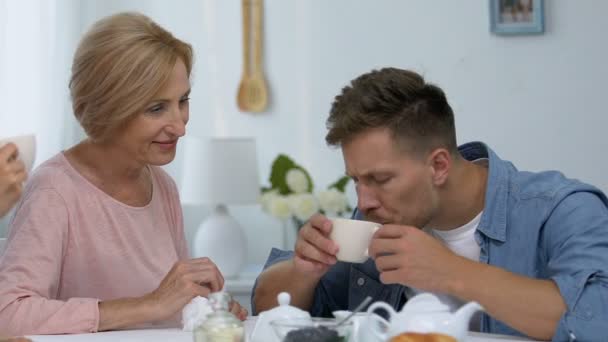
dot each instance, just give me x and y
(416, 113)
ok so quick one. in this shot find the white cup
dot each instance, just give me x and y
(26, 144)
(353, 238)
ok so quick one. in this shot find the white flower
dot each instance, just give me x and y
(296, 181)
(267, 198)
(303, 206)
(278, 206)
(333, 201)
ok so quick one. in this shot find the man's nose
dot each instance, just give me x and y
(366, 198)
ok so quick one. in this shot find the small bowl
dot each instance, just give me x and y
(311, 329)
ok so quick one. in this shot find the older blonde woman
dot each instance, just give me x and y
(97, 241)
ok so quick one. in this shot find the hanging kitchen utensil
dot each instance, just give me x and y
(253, 93)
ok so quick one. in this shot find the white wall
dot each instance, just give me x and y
(37, 39)
(537, 100)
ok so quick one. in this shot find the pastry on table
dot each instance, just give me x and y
(417, 337)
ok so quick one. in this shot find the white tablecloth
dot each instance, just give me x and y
(175, 335)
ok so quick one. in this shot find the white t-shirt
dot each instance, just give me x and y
(460, 240)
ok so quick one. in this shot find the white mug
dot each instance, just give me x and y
(353, 238)
(26, 144)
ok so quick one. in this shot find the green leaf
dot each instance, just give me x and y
(340, 184)
(279, 169)
(265, 189)
(278, 174)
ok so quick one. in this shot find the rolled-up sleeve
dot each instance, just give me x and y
(585, 295)
(578, 264)
(30, 271)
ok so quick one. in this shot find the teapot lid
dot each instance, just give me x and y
(425, 302)
(284, 310)
(262, 331)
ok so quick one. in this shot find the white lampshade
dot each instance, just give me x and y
(218, 172)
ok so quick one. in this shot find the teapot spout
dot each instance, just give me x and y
(464, 314)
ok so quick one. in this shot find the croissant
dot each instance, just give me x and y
(416, 337)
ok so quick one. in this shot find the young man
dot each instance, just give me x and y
(531, 248)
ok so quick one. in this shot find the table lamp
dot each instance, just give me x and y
(219, 172)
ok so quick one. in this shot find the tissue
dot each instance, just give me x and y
(195, 313)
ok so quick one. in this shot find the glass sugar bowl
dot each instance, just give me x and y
(220, 325)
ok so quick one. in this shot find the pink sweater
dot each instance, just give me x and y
(71, 245)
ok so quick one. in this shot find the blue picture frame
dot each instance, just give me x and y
(515, 17)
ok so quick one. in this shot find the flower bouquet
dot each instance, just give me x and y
(291, 196)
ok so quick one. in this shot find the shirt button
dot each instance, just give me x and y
(360, 281)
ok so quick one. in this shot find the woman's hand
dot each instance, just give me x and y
(14, 339)
(238, 310)
(186, 280)
(12, 176)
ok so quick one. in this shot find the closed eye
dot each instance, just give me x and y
(381, 180)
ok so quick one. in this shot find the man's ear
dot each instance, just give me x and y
(440, 162)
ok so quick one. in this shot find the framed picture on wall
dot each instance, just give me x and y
(511, 17)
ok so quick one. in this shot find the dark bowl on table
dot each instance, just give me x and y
(311, 329)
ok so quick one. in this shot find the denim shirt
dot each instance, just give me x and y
(538, 225)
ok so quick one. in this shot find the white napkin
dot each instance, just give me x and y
(195, 313)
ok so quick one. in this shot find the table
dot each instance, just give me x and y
(176, 335)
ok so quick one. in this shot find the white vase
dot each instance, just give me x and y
(221, 239)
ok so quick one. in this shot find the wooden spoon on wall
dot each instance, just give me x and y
(253, 92)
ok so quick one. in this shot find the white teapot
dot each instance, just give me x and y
(425, 313)
(262, 332)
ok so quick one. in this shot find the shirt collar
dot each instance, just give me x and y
(493, 222)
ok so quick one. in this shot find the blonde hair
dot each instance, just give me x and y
(121, 63)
